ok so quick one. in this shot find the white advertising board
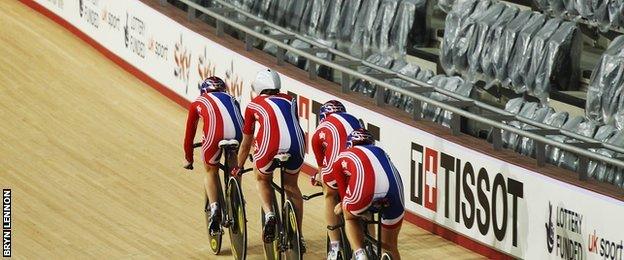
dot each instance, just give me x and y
(498, 204)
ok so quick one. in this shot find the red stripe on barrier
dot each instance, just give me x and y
(308, 169)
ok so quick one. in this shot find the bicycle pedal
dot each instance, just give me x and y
(220, 232)
(227, 223)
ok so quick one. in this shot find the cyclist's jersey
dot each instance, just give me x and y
(329, 139)
(279, 131)
(364, 174)
(222, 119)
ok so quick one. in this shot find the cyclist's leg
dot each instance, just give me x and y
(389, 238)
(392, 218)
(291, 184)
(356, 203)
(354, 231)
(331, 199)
(211, 180)
(211, 156)
(264, 175)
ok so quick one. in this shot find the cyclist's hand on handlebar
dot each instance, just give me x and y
(315, 180)
(188, 166)
(338, 208)
(236, 171)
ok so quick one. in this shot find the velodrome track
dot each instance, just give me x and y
(93, 157)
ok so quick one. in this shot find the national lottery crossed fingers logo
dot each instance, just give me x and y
(6, 223)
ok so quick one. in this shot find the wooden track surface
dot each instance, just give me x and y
(94, 159)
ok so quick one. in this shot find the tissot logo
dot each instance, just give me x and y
(481, 200)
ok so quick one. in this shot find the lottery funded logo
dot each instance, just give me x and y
(563, 236)
(134, 35)
(88, 13)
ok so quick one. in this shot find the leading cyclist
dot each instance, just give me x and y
(329, 139)
(279, 132)
(365, 174)
(222, 120)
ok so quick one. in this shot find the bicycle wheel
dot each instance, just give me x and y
(271, 250)
(345, 248)
(238, 225)
(293, 238)
(215, 241)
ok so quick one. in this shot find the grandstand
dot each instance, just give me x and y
(548, 66)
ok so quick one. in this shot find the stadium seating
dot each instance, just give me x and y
(485, 44)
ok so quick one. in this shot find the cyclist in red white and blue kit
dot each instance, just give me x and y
(222, 120)
(279, 132)
(329, 139)
(364, 175)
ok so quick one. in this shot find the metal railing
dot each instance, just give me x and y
(347, 67)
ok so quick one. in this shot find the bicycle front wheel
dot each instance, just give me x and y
(293, 237)
(238, 218)
(386, 256)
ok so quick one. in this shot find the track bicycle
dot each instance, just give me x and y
(287, 243)
(231, 204)
(345, 248)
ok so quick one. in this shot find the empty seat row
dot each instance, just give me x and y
(451, 83)
(562, 120)
(605, 100)
(501, 45)
(604, 14)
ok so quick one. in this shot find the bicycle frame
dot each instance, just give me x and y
(283, 217)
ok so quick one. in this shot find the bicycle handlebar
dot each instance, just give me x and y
(309, 197)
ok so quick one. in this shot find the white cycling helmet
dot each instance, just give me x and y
(266, 79)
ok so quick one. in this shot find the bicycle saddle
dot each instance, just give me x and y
(228, 143)
(379, 204)
(282, 157)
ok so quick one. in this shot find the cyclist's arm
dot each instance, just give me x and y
(248, 131)
(243, 150)
(339, 174)
(191, 128)
(317, 148)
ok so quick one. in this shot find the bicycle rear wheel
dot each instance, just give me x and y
(293, 237)
(215, 241)
(271, 250)
(238, 218)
